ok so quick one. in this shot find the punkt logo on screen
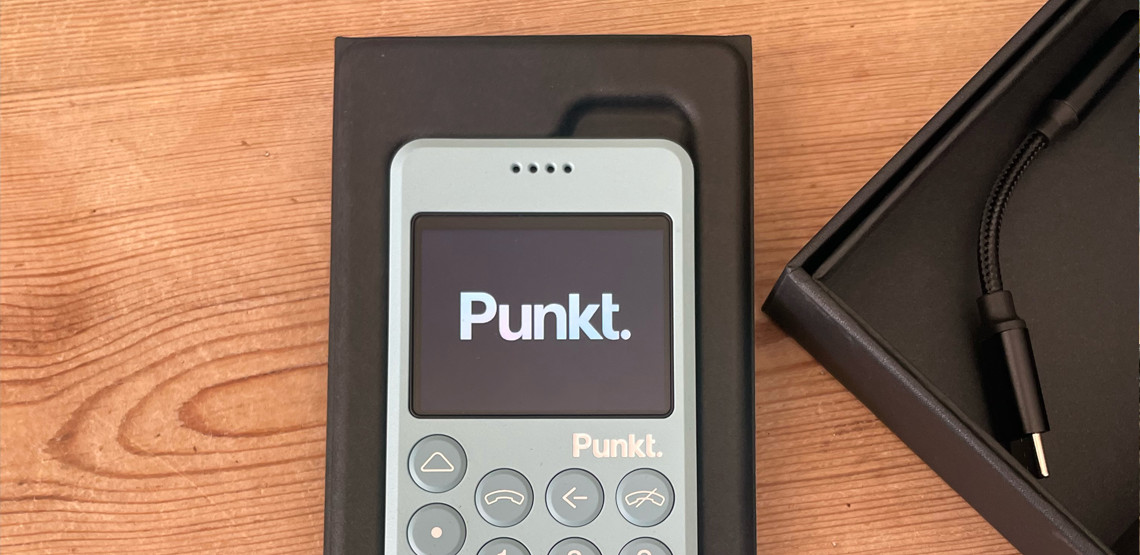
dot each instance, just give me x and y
(571, 321)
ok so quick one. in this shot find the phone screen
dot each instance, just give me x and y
(542, 315)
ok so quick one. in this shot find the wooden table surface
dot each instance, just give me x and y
(164, 238)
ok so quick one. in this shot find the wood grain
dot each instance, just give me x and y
(164, 215)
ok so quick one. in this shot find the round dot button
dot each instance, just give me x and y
(645, 497)
(436, 529)
(574, 497)
(437, 463)
(644, 546)
(503, 498)
(503, 546)
(574, 546)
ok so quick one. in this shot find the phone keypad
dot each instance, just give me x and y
(504, 498)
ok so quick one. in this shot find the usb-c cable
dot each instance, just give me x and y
(1006, 345)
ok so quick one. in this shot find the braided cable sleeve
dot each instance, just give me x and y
(989, 267)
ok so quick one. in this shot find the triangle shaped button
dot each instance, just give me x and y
(437, 462)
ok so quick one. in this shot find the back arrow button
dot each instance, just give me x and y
(568, 501)
(574, 497)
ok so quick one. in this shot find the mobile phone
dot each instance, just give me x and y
(541, 348)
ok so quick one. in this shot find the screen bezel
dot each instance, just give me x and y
(531, 221)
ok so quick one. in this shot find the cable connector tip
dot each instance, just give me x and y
(1039, 449)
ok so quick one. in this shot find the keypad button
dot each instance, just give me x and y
(504, 497)
(437, 463)
(503, 546)
(574, 497)
(645, 497)
(643, 546)
(574, 546)
(436, 529)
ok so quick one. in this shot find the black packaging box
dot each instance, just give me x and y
(695, 91)
(884, 296)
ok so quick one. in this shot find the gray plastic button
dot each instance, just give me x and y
(503, 546)
(437, 463)
(436, 529)
(504, 498)
(644, 546)
(645, 497)
(574, 546)
(574, 497)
